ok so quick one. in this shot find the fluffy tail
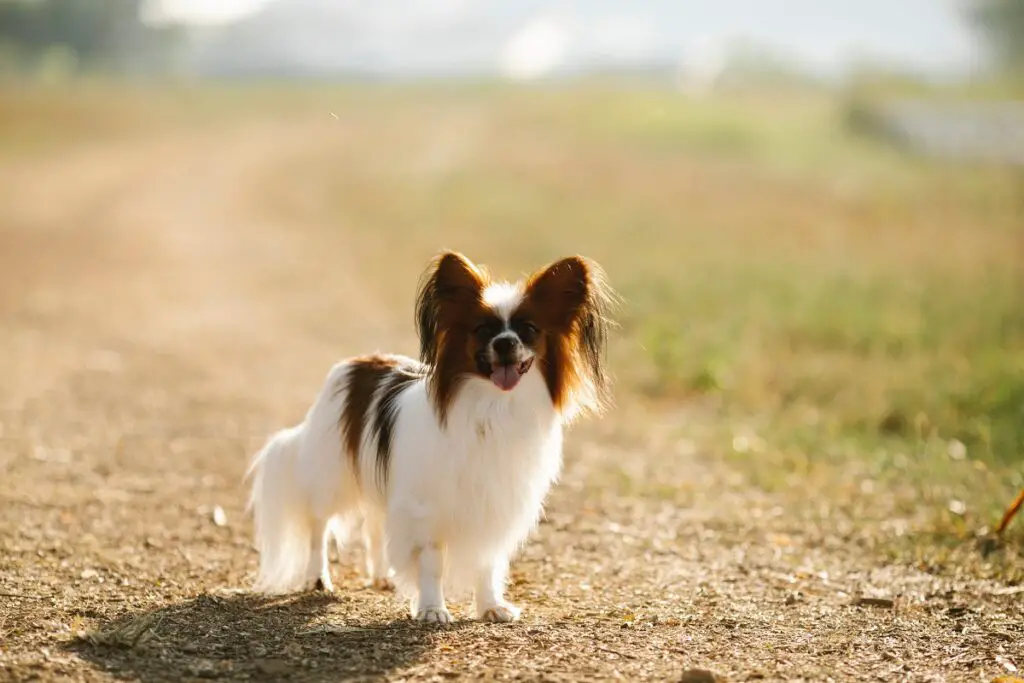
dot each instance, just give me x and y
(281, 513)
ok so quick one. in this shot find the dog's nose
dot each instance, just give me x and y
(505, 348)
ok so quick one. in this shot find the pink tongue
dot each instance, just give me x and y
(505, 377)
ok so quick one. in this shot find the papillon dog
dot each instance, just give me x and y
(445, 461)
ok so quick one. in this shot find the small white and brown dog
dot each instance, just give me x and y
(446, 462)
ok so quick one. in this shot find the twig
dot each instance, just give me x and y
(610, 651)
(874, 602)
(1011, 512)
(25, 597)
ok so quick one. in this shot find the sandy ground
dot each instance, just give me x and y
(155, 326)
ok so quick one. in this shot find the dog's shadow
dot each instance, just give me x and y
(245, 636)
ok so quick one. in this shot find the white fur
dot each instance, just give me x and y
(503, 297)
(459, 500)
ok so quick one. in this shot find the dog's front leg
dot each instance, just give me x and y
(490, 593)
(429, 605)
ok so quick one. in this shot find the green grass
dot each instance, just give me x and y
(853, 307)
(887, 308)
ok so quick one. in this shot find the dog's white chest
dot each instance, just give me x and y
(508, 452)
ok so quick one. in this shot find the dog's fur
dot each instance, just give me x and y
(446, 460)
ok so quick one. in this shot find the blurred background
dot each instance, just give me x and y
(814, 210)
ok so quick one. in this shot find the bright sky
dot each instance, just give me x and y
(201, 11)
(529, 38)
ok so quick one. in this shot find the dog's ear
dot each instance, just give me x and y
(559, 291)
(451, 283)
(574, 301)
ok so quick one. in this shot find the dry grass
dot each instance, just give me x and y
(821, 378)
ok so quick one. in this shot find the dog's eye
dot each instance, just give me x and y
(526, 330)
(487, 328)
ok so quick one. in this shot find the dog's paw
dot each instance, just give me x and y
(434, 615)
(381, 583)
(500, 614)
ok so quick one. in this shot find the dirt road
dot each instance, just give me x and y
(156, 324)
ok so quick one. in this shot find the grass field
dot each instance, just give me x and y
(820, 378)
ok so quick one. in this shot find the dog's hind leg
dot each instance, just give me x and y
(378, 569)
(318, 574)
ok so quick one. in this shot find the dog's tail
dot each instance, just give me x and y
(280, 513)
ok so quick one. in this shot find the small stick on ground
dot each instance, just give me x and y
(1010, 513)
(621, 655)
(21, 596)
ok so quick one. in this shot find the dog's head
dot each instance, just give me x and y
(554, 322)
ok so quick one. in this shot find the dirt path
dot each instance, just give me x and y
(155, 326)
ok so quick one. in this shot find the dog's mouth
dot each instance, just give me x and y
(506, 377)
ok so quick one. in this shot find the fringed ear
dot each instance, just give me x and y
(593, 327)
(450, 280)
(576, 302)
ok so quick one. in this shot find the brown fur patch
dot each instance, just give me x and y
(364, 376)
(397, 381)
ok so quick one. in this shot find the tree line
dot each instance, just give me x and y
(102, 35)
(1002, 23)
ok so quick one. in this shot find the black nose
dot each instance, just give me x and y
(505, 347)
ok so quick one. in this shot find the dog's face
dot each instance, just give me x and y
(505, 340)
(552, 323)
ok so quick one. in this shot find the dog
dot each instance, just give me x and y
(445, 461)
